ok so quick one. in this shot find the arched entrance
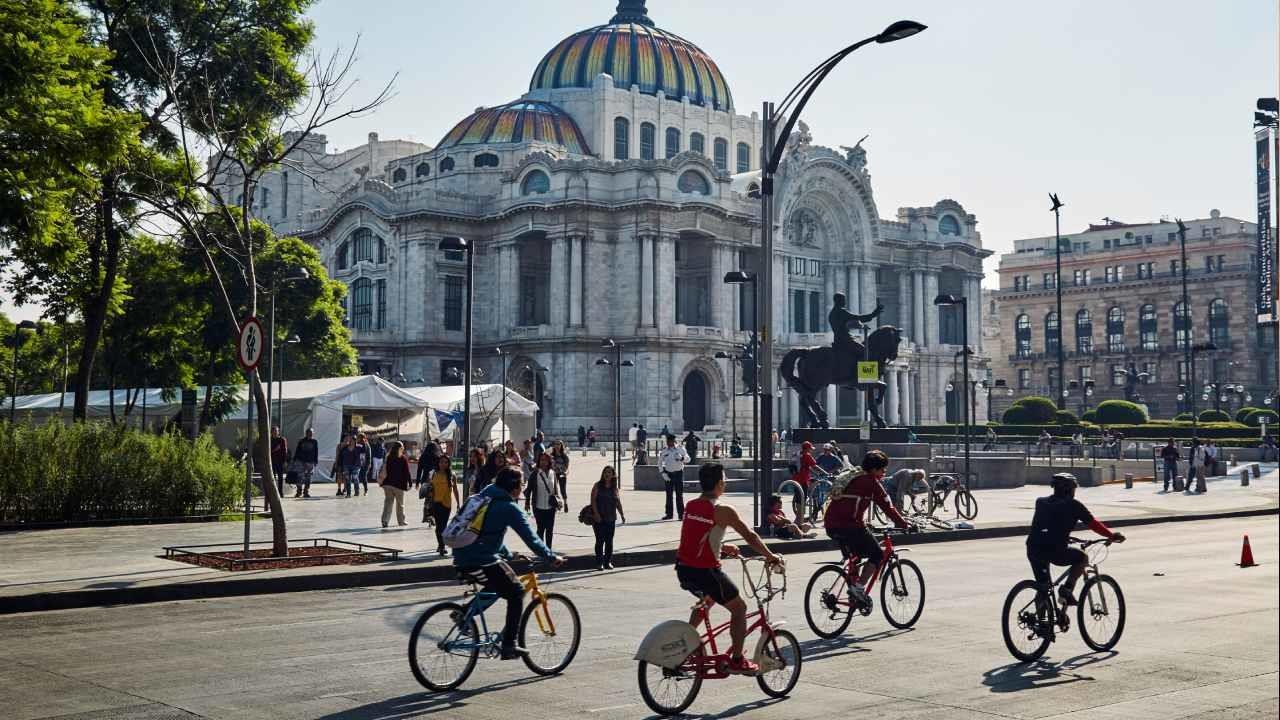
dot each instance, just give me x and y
(694, 394)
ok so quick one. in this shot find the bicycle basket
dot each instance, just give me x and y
(1097, 553)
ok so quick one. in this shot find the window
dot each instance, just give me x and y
(1024, 378)
(673, 143)
(535, 183)
(648, 136)
(815, 311)
(1081, 278)
(722, 154)
(1049, 281)
(1181, 325)
(1022, 335)
(1150, 369)
(744, 157)
(1085, 373)
(1084, 332)
(1147, 330)
(1145, 270)
(453, 302)
(266, 198)
(1182, 372)
(1208, 263)
(380, 306)
(621, 138)
(1118, 375)
(1172, 236)
(1217, 231)
(535, 296)
(1114, 273)
(1022, 282)
(797, 311)
(284, 194)
(1173, 267)
(446, 165)
(485, 160)
(342, 257)
(1204, 232)
(451, 372)
(1222, 263)
(382, 251)
(1115, 330)
(362, 304)
(693, 183)
(363, 240)
(423, 170)
(1219, 330)
(698, 143)
(1051, 338)
(399, 175)
(1052, 375)
(948, 225)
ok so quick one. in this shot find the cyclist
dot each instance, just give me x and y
(1055, 516)
(829, 461)
(846, 519)
(698, 558)
(485, 558)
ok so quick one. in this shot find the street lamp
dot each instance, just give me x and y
(18, 339)
(1057, 286)
(771, 157)
(503, 357)
(950, 301)
(1084, 397)
(297, 275)
(294, 340)
(457, 244)
(1192, 349)
(1004, 390)
(743, 277)
(618, 363)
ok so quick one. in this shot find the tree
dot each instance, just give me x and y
(1214, 416)
(1255, 418)
(1036, 410)
(1121, 412)
(1065, 417)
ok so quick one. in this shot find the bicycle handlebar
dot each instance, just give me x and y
(1087, 543)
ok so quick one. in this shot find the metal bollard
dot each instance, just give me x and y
(1257, 470)
(1128, 481)
(1244, 477)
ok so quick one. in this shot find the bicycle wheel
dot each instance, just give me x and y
(784, 648)
(550, 631)
(1023, 619)
(826, 602)
(966, 504)
(669, 692)
(441, 653)
(1100, 612)
(902, 593)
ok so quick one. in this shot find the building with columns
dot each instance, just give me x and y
(609, 201)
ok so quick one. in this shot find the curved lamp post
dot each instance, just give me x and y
(950, 300)
(457, 244)
(618, 363)
(28, 326)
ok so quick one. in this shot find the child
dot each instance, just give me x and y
(783, 528)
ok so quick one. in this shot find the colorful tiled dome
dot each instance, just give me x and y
(516, 122)
(635, 52)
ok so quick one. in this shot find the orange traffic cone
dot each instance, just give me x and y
(1246, 554)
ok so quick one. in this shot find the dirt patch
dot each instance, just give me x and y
(265, 558)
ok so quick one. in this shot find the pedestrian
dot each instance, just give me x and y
(308, 454)
(1170, 455)
(606, 509)
(991, 439)
(349, 459)
(582, 436)
(632, 433)
(428, 461)
(1197, 467)
(539, 445)
(671, 463)
(830, 462)
(512, 456)
(441, 494)
(394, 478)
(1211, 459)
(489, 470)
(1046, 440)
(1269, 449)
(691, 446)
(378, 455)
(642, 436)
(591, 436)
(666, 430)
(366, 462)
(560, 461)
(279, 458)
(803, 473)
(471, 474)
(527, 459)
(542, 497)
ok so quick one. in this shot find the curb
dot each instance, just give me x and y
(76, 599)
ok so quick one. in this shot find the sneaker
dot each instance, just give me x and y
(608, 566)
(1064, 594)
(742, 666)
(514, 652)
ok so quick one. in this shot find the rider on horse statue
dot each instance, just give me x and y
(841, 320)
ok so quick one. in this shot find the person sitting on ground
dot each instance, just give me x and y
(846, 520)
(1051, 524)
(783, 528)
(698, 559)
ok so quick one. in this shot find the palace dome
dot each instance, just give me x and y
(517, 122)
(635, 52)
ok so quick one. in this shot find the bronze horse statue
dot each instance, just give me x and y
(810, 370)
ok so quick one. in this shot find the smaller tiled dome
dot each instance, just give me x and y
(517, 122)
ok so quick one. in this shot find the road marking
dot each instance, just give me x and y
(612, 707)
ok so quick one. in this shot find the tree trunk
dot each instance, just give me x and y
(105, 260)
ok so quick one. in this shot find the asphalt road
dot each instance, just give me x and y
(1202, 641)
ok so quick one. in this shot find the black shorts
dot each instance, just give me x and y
(1041, 557)
(707, 582)
(858, 542)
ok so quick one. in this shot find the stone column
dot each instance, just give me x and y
(645, 248)
(869, 288)
(853, 281)
(793, 409)
(559, 291)
(930, 310)
(974, 290)
(904, 305)
(781, 318)
(664, 283)
(891, 396)
(917, 307)
(908, 414)
(715, 288)
(831, 402)
(829, 283)
(576, 267)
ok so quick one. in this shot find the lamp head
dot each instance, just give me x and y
(627, 363)
(27, 325)
(722, 355)
(943, 300)
(1182, 227)
(739, 277)
(455, 244)
(603, 361)
(294, 340)
(608, 344)
(900, 30)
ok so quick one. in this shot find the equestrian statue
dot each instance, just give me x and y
(809, 371)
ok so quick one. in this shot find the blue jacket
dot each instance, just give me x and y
(503, 513)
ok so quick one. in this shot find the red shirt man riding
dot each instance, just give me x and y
(846, 522)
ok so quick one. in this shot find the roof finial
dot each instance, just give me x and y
(631, 11)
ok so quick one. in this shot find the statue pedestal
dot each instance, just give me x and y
(891, 435)
(817, 436)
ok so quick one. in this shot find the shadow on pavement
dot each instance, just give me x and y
(424, 703)
(1019, 676)
(731, 712)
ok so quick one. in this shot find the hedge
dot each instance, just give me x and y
(1120, 412)
(1254, 419)
(1183, 417)
(1065, 417)
(1155, 430)
(1214, 416)
(1243, 413)
(101, 471)
(1090, 416)
(1038, 410)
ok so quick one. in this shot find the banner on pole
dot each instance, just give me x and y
(1266, 304)
(868, 372)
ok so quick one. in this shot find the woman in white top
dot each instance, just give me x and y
(542, 495)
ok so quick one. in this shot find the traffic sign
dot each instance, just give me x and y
(251, 346)
(868, 372)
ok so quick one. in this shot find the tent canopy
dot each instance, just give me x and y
(487, 416)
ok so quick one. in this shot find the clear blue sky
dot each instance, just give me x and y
(1130, 109)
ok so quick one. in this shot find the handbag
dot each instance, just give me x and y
(587, 516)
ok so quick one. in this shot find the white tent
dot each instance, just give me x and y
(486, 410)
(158, 410)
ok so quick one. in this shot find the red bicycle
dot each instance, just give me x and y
(674, 659)
(829, 602)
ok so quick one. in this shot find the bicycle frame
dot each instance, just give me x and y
(887, 552)
(482, 600)
(1056, 612)
(711, 665)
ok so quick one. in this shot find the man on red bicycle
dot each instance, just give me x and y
(1055, 517)
(698, 558)
(846, 520)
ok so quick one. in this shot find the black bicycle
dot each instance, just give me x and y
(1033, 618)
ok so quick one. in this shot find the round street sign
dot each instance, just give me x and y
(249, 351)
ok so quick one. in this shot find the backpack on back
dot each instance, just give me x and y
(465, 527)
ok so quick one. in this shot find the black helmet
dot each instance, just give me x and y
(1063, 483)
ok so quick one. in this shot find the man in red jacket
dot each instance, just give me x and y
(846, 519)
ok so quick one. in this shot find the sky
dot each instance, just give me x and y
(1128, 109)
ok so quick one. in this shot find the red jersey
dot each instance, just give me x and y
(849, 510)
(700, 539)
(803, 475)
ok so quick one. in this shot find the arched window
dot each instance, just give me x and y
(446, 165)
(744, 157)
(342, 258)
(363, 241)
(1181, 326)
(648, 137)
(1051, 333)
(673, 143)
(948, 225)
(423, 170)
(1115, 330)
(485, 160)
(621, 138)
(722, 154)
(1219, 329)
(698, 143)
(1022, 334)
(535, 183)
(1147, 330)
(399, 175)
(362, 304)
(694, 183)
(1084, 332)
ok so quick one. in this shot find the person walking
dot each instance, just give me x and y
(1211, 459)
(671, 463)
(441, 496)
(539, 445)
(489, 470)
(377, 455)
(279, 458)
(542, 497)
(307, 453)
(349, 464)
(591, 436)
(471, 473)
(1197, 467)
(1170, 456)
(632, 433)
(511, 454)
(582, 437)
(606, 509)
(394, 478)
(427, 462)
(691, 446)
(366, 462)
(560, 462)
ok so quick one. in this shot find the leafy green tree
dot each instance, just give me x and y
(1121, 412)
